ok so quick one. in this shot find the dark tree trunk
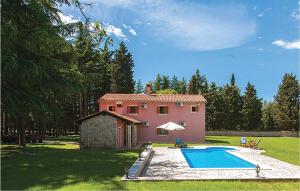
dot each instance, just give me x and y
(21, 126)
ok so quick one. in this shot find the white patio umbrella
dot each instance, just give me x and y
(171, 126)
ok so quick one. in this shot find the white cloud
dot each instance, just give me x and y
(144, 43)
(132, 31)
(66, 19)
(260, 49)
(188, 25)
(260, 15)
(113, 30)
(287, 45)
(296, 15)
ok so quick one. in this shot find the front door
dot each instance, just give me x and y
(128, 135)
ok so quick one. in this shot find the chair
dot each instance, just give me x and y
(256, 144)
(180, 143)
(253, 144)
(243, 141)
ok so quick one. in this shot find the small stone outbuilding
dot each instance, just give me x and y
(108, 129)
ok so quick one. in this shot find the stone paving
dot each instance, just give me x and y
(169, 164)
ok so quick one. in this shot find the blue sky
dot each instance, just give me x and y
(257, 40)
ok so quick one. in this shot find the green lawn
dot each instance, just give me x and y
(65, 167)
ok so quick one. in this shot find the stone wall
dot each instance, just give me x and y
(254, 133)
(99, 131)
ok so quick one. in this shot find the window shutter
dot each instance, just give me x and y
(157, 109)
(128, 109)
(137, 109)
(167, 109)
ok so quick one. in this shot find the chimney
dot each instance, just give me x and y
(148, 88)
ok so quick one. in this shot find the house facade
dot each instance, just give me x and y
(141, 114)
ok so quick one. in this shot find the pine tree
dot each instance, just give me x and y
(287, 99)
(233, 105)
(251, 109)
(165, 82)
(214, 108)
(193, 87)
(268, 110)
(139, 87)
(202, 85)
(105, 81)
(174, 84)
(157, 83)
(36, 62)
(85, 49)
(122, 71)
(182, 86)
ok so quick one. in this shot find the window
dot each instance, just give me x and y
(145, 123)
(182, 123)
(111, 108)
(162, 109)
(162, 132)
(195, 108)
(133, 109)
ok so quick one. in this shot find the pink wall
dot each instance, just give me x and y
(194, 131)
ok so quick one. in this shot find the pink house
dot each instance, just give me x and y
(139, 115)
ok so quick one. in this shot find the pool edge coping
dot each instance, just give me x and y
(262, 166)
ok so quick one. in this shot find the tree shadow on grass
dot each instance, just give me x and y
(211, 140)
(53, 168)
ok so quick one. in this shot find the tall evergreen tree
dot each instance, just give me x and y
(36, 61)
(85, 48)
(165, 84)
(268, 110)
(287, 99)
(251, 109)
(193, 87)
(122, 71)
(174, 84)
(157, 85)
(202, 85)
(233, 105)
(182, 86)
(214, 108)
(106, 59)
(139, 87)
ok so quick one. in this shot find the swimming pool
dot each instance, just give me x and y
(214, 157)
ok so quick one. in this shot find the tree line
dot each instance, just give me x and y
(229, 109)
(52, 72)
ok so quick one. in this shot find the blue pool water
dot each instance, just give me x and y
(214, 157)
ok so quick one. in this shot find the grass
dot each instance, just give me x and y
(65, 167)
(68, 138)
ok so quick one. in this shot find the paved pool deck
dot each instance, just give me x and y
(170, 164)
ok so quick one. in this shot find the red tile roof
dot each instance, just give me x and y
(153, 97)
(114, 114)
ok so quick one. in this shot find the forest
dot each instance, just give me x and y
(53, 73)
